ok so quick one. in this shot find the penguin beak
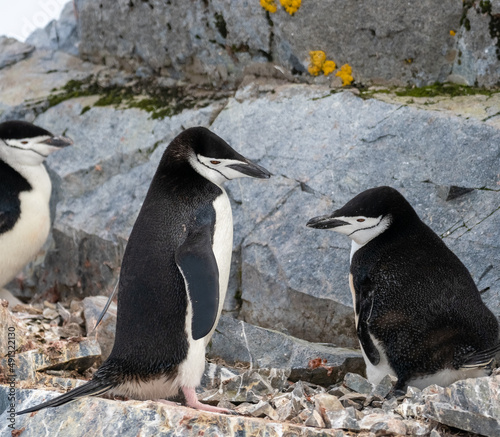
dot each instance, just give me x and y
(58, 142)
(252, 170)
(325, 222)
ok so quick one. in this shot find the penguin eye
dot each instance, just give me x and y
(215, 162)
(360, 220)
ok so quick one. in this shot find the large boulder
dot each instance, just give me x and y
(385, 42)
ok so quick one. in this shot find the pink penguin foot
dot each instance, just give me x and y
(193, 402)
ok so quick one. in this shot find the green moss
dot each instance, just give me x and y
(442, 89)
(220, 24)
(485, 7)
(85, 109)
(144, 95)
(366, 93)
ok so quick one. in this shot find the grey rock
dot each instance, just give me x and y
(357, 383)
(390, 42)
(12, 51)
(61, 34)
(97, 416)
(40, 74)
(471, 405)
(315, 420)
(383, 388)
(345, 419)
(237, 341)
(262, 409)
(62, 355)
(389, 427)
(105, 332)
(416, 428)
(249, 386)
(13, 332)
(477, 48)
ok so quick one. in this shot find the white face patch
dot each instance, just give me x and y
(362, 229)
(216, 170)
(27, 151)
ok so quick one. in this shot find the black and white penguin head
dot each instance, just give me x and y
(212, 157)
(367, 215)
(24, 144)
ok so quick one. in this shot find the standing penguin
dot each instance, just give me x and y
(419, 315)
(174, 275)
(25, 190)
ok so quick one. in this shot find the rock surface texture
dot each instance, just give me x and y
(385, 42)
(284, 355)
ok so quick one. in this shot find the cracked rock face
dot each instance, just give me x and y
(214, 40)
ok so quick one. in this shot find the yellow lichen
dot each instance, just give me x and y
(291, 6)
(328, 67)
(453, 33)
(345, 73)
(320, 64)
(269, 5)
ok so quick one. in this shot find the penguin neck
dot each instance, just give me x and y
(182, 177)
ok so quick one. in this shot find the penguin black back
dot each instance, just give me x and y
(417, 307)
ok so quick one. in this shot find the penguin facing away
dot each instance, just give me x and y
(25, 190)
(419, 315)
(174, 275)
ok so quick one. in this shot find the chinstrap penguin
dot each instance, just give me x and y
(25, 190)
(419, 315)
(174, 275)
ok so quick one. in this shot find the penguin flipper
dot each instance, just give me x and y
(198, 266)
(364, 307)
(9, 211)
(91, 388)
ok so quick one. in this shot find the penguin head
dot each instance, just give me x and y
(23, 143)
(212, 157)
(367, 215)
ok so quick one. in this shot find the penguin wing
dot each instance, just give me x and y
(10, 208)
(364, 303)
(92, 388)
(197, 263)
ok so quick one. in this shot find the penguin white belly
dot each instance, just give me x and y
(222, 247)
(192, 368)
(446, 377)
(21, 244)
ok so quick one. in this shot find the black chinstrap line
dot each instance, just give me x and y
(27, 150)
(211, 168)
(371, 227)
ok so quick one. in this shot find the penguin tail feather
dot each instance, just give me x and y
(481, 358)
(91, 388)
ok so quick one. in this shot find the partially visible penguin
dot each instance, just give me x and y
(174, 275)
(25, 190)
(419, 315)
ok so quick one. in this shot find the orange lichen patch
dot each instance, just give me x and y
(291, 6)
(328, 67)
(269, 5)
(318, 362)
(453, 33)
(345, 73)
(319, 63)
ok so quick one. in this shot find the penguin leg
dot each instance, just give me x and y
(193, 402)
